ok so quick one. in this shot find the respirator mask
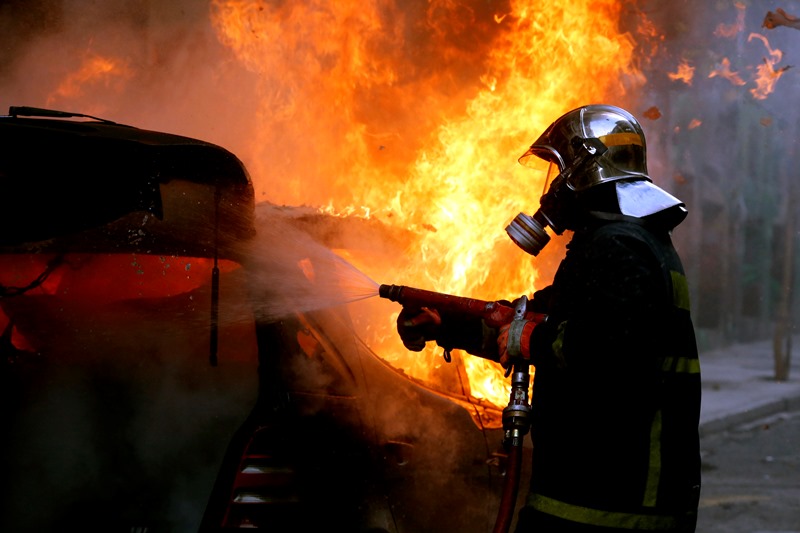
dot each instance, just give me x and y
(557, 206)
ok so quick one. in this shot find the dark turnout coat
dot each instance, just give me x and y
(616, 399)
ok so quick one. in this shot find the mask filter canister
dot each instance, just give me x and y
(528, 232)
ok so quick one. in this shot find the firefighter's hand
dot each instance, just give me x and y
(514, 342)
(418, 326)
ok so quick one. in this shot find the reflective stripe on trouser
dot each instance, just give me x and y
(674, 365)
(654, 464)
(596, 517)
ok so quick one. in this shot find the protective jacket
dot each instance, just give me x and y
(616, 399)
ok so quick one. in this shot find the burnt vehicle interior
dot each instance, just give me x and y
(149, 384)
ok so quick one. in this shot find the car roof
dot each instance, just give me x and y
(84, 182)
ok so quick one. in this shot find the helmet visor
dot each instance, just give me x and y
(552, 173)
(545, 170)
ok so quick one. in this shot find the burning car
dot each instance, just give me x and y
(176, 357)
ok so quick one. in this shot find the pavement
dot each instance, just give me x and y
(739, 385)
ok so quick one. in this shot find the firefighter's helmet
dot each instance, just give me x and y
(563, 144)
(590, 146)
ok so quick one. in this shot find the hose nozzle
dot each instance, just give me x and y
(390, 292)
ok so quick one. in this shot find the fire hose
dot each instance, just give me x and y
(516, 415)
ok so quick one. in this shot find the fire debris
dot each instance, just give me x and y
(780, 18)
(723, 69)
(653, 113)
(766, 73)
(685, 73)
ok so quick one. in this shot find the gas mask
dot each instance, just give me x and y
(557, 206)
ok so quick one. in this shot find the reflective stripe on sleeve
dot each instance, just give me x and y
(680, 290)
(558, 346)
(681, 365)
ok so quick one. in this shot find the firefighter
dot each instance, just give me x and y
(616, 393)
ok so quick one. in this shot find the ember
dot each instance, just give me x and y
(685, 73)
(652, 113)
(766, 73)
(723, 70)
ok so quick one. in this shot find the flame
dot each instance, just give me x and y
(418, 118)
(723, 70)
(685, 73)
(94, 69)
(766, 75)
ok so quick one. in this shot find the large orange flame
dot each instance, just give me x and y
(418, 119)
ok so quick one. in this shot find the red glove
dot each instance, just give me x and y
(418, 326)
(514, 340)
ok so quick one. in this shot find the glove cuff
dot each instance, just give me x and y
(519, 339)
